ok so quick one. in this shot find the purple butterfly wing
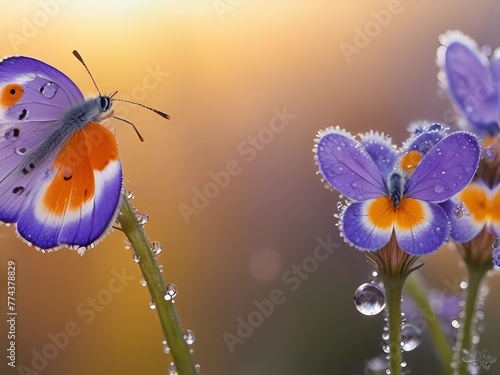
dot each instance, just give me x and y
(446, 169)
(470, 83)
(34, 100)
(347, 166)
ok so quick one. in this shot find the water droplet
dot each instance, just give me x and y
(463, 284)
(142, 218)
(136, 258)
(188, 336)
(128, 193)
(369, 299)
(197, 367)
(117, 225)
(20, 150)
(156, 247)
(459, 211)
(411, 337)
(171, 292)
(143, 282)
(160, 267)
(165, 347)
(377, 365)
(438, 189)
(49, 89)
(152, 304)
(171, 370)
(455, 323)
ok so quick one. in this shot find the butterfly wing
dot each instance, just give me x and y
(79, 199)
(33, 98)
(470, 82)
(347, 166)
(446, 169)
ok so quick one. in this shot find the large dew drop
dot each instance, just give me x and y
(369, 299)
(411, 337)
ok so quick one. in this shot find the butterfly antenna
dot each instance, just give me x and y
(80, 58)
(131, 123)
(162, 114)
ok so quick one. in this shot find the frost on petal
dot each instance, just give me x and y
(347, 166)
(382, 151)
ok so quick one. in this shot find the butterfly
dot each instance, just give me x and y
(60, 170)
(402, 202)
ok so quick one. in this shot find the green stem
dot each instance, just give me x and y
(467, 325)
(393, 290)
(157, 287)
(414, 287)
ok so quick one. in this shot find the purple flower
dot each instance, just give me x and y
(402, 200)
(471, 80)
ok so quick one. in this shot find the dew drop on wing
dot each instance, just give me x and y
(49, 90)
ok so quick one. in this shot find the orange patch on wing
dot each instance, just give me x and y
(384, 215)
(11, 94)
(480, 206)
(410, 160)
(88, 150)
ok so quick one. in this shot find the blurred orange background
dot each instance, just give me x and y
(230, 73)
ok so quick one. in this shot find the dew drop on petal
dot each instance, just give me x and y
(411, 337)
(459, 211)
(136, 258)
(438, 189)
(143, 282)
(369, 299)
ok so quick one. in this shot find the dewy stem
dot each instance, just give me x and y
(467, 328)
(414, 287)
(157, 288)
(393, 290)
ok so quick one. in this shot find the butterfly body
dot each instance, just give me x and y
(60, 172)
